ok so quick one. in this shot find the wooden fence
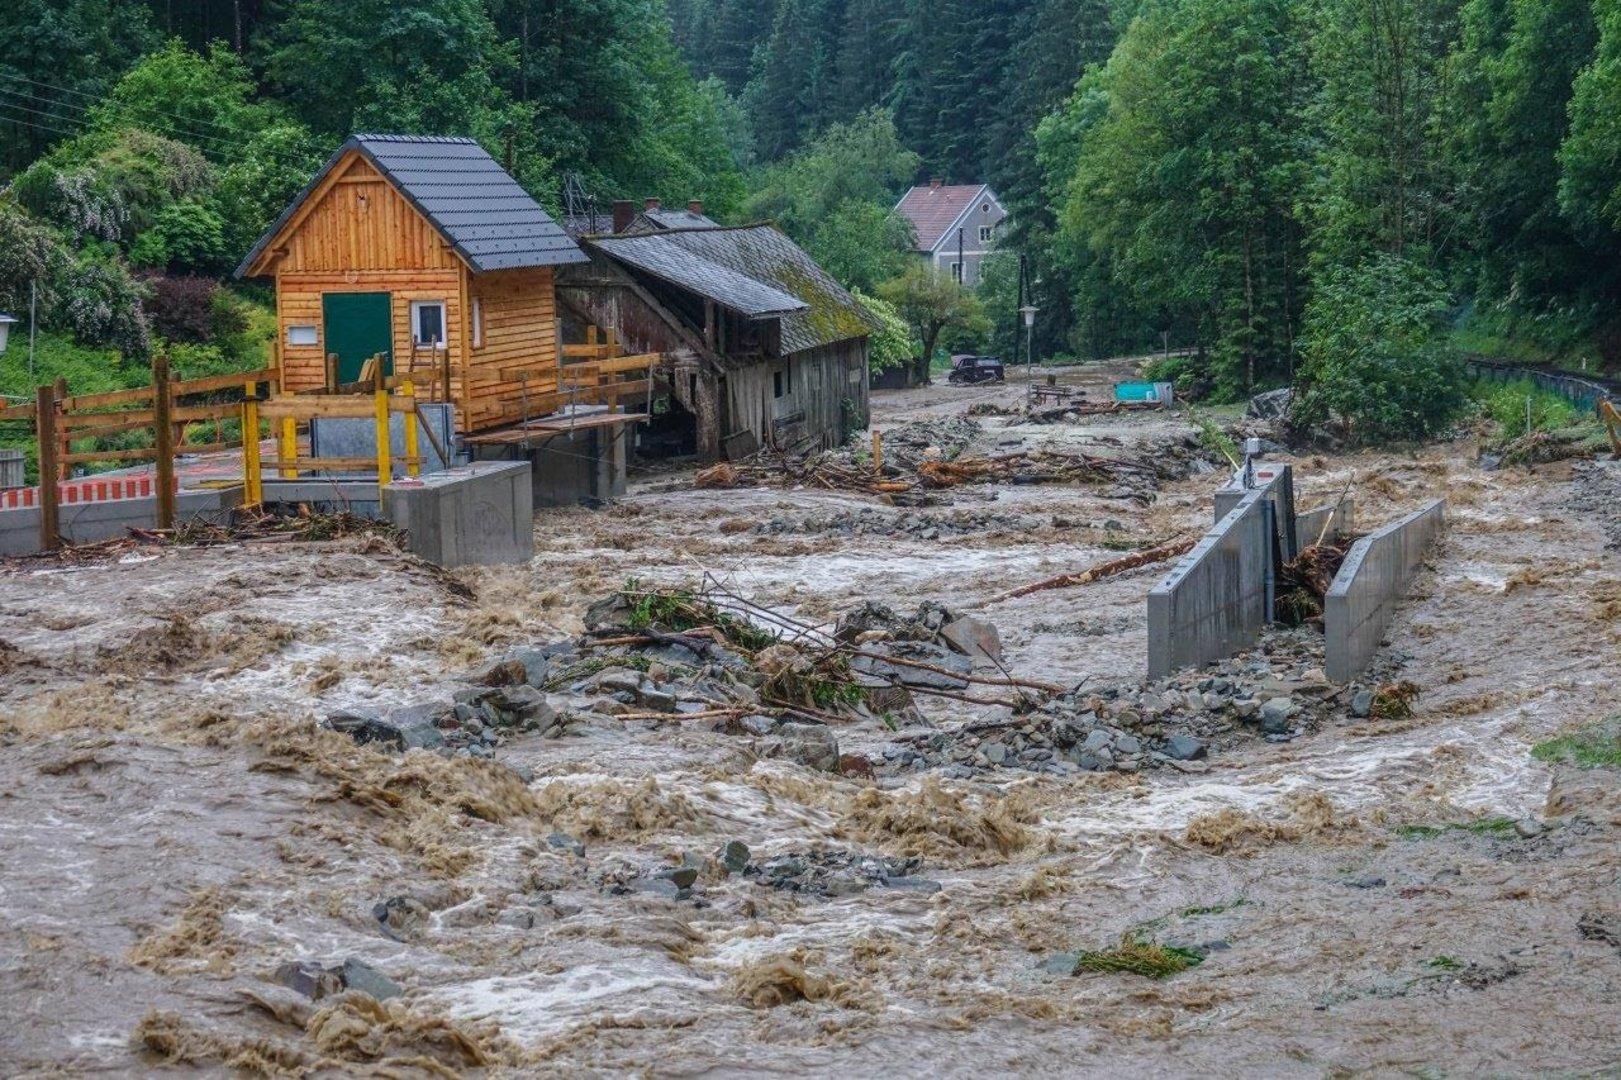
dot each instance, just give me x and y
(59, 420)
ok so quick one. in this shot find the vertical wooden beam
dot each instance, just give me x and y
(385, 467)
(289, 448)
(413, 454)
(163, 427)
(877, 452)
(64, 444)
(464, 324)
(253, 493)
(50, 537)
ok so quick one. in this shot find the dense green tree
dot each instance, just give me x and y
(862, 243)
(862, 161)
(1188, 157)
(58, 57)
(1376, 362)
(934, 306)
(425, 67)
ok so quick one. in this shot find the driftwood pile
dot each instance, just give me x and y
(1025, 467)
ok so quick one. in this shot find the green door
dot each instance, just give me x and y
(358, 327)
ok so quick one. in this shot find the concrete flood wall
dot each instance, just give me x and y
(1370, 584)
(570, 469)
(352, 437)
(1340, 519)
(478, 514)
(91, 522)
(1214, 602)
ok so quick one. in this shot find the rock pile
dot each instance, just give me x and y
(871, 521)
(1277, 692)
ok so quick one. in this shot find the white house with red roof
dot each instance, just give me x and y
(956, 225)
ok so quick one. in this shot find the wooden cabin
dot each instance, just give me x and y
(425, 251)
(760, 346)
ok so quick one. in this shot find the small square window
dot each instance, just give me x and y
(302, 335)
(956, 271)
(985, 234)
(428, 323)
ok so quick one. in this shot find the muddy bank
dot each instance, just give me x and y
(1385, 895)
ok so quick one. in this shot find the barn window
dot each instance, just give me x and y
(302, 335)
(428, 323)
(956, 272)
(782, 382)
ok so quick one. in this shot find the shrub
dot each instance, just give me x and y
(1190, 374)
(892, 344)
(189, 235)
(1376, 360)
(98, 301)
(181, 308)
(1508, 404)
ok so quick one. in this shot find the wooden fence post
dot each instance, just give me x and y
(50, 538)
(385, 467)
(413, 450)
(289, 448)
(252, 479)
(163, 428)
(64, 445)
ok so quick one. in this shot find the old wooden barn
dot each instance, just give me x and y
(761, 347)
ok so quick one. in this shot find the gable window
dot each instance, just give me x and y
(985, 209)
(428, 323)
(985, 233)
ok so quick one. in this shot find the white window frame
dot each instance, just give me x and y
(478, 323)
(444, 322)
(313, 334)
(986, 232)
(957, 272)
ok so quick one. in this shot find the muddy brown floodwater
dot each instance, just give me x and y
(1416, 896)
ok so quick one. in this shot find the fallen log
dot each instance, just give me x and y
(1147, 557)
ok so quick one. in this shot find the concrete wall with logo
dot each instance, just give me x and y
(1371, 582)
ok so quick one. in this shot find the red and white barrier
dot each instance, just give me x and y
(86, 490)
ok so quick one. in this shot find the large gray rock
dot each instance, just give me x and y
(974, 638)
(812, 745)
(361, 976)
(410, 728)
(936, 656)
(1272, 405)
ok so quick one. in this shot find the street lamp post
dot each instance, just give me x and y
(1029, 313)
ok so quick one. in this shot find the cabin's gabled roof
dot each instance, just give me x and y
(755, 271)
(478, 208)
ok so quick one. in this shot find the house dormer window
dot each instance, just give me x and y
(428, 323)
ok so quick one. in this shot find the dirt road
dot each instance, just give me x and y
(1390, 896)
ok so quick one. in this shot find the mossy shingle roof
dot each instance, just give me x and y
(755, 271)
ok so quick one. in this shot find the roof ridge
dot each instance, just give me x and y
(385, 137)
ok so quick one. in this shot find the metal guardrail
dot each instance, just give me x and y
(1584, 390)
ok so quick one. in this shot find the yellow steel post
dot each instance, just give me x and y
(289, 448)
(252, 480)
(385, 467)
(413, 456)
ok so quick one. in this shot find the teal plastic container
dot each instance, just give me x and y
(1142, 391)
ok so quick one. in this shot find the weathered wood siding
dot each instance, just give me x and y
(356, 220)
(518, 309)
(828, 396)
(298, 303)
